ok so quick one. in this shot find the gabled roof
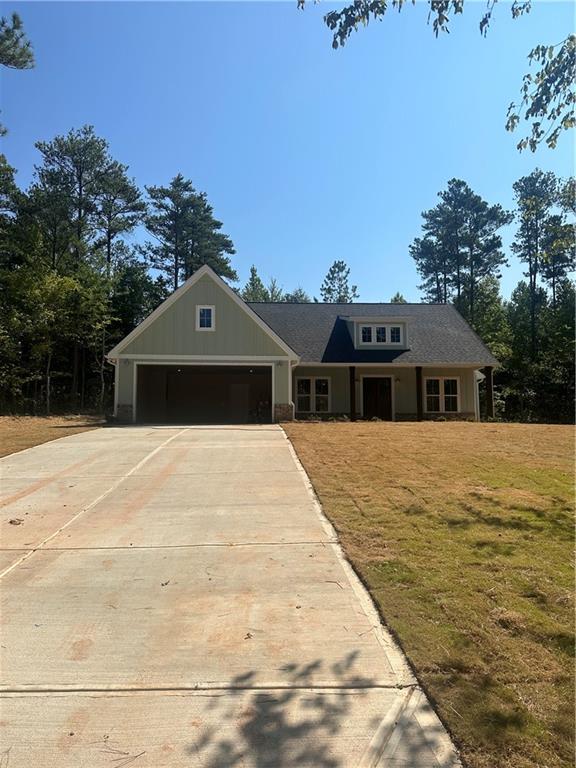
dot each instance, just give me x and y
(209, 272)
(318, 333)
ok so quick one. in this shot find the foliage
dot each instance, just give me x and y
(460, 246)
(535, 195)
(297, 296)
(255, 290)
(531, 335)
(398, 298)
(186, 233)
(71, 286)
(15, 49)
(547, 97)
(336, 288)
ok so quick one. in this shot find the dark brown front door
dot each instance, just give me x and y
(377, 398)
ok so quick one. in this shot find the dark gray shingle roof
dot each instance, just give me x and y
(437, 333)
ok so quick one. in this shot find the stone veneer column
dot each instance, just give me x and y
(284, 412)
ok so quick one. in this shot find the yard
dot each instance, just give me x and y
(20, 432)
(464, 535)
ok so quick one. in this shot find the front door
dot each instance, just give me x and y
(377, 397)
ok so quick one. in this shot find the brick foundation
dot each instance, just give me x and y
(284, 412)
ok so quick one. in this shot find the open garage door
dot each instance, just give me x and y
(204, 394)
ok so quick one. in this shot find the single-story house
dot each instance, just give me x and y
(206, 356)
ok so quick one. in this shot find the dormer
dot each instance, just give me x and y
(380, 333)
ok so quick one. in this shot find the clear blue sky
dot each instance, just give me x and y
(307, 154)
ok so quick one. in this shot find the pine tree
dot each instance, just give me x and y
(186, 232)
(535, 195)
(254, 290)
(398, 298)
(336, 288)
(77, 164)
(119, 208)
(297, 296)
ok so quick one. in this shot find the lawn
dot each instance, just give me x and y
(19, 432)
(463, 534)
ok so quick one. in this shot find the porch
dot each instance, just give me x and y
(390, 393)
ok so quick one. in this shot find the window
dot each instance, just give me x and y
(313, 394)
(442, 395)
(380, 334)
(204, 318)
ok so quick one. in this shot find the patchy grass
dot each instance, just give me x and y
(19, 432)
(464, 535)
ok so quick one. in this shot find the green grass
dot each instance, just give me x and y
(464, 535)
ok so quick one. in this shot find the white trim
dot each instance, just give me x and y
(380, 344)
(116, 386)
(227, 364)
(392, 366)
(204, 270)
(440, 395)
(392, 391)
(212, 308)
(204, 358)
(312, 395)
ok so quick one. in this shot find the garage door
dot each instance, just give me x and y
(204, 394)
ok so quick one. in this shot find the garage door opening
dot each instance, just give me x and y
(204, 394)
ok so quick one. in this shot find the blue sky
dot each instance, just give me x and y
(307, 154)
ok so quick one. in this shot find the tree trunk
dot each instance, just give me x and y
(108, 253)
(48, 382)
(472, 288)
(74, 385)
(83, 380)
(102, 368)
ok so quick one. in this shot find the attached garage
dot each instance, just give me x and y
(204, 394)
(203, 356)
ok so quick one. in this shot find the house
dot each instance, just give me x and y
(206, 356)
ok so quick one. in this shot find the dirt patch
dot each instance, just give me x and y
(464, 535)
(20, 432)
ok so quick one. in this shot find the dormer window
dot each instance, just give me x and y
(374, 334)
(204, 317)
(366, 334)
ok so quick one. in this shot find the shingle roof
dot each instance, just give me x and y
(437, 333)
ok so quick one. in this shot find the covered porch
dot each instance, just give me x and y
(391, 393)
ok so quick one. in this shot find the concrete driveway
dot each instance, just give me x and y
(174, 597)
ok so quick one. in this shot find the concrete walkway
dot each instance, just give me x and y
(174, 597)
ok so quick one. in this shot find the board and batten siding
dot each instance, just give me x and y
(173, 337)
(174, 332)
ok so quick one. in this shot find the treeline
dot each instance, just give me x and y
(72, 280)
(85, 255)
(460, 257)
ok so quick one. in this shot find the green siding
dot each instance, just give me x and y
(404, 385)
(174, 332)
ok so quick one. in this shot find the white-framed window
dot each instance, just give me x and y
(442, 394)
(205, 317)
(377, 333)
(313, 394)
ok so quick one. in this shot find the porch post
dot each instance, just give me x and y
(352, 393)
(419, 408)
(488, 373)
